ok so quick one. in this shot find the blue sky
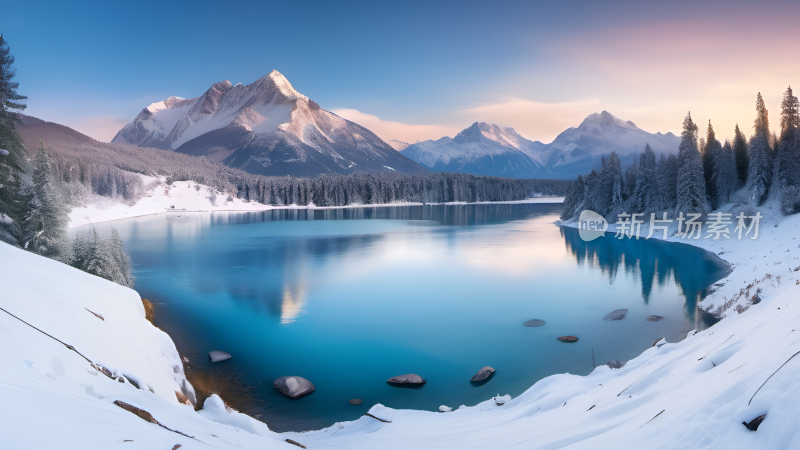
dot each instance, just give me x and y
(412, 70)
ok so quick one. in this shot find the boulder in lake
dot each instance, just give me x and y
(616, 364)
(408, 380)
(482, 375)
(218, 356)
(568, 338)
(534, 323)
(445, 408)
(293, 387)
(617, 314)
(653, 318)
(355, 401)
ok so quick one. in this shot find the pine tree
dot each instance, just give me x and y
(759, 176)
(725, 178)
(742, 156)
(646, 194)
(710, 150)
(789, 153)
(13, 155)
(574, 199)
(121, 260)
(45, 227)
(667, 180)
(611, 185)
(691, 182)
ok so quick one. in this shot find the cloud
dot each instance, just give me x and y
(102, 128)
(388, 130)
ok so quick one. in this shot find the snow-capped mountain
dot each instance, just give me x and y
(600, 134)
(266, 127)
(481, 149)
(486, 149)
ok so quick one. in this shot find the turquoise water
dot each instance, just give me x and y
(351, 297)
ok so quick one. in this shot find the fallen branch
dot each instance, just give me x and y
(773, 373)
(378, 418)
(640, 426)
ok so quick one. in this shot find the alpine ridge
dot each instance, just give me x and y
(481, 149)
(266, 127)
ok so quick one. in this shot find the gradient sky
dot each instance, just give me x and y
(415, 70)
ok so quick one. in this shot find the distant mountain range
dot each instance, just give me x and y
(481, 149)
(267, 128)
(487, 149)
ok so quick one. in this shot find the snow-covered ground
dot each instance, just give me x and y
(691, 394)
(188, 196)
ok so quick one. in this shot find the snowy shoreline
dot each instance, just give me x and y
(187, 196)
(691, 394)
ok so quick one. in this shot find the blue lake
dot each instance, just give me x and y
(351, 297)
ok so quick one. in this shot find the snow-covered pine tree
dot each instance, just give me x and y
(646, 194)
(709, 152)
(789, 153)
(742, 155)
(725, 178)
(574, 199)
(611, 185)
(691, 183)
(13, 155)
(45, 226)
(630, 179)
(667, 170)
(121, 260)
(759, 175)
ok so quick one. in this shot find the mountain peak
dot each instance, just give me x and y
(278, 81)
(604, 120)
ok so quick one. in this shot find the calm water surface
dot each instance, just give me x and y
(351, 297)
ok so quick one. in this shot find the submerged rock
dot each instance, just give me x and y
(568, 338)
(293, 387)
(355, 401)
(534, 323)
(616, 364)
(482, 375)
(409, 380)
(218, 356)
(653, 318)
(617, 314)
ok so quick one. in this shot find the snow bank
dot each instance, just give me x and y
(54, 398)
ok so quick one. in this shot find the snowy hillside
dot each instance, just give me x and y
(54, 398)
(481, 149)
(602, 133)
(265, 127)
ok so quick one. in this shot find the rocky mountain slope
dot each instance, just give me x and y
(265, 127)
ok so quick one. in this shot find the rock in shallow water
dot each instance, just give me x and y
(616, 314)
(293, 387)
(218, 356)
(355, 401)
(534, 323)
(410, 379)
(568, 338)
(653, 318)
(482, 375)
